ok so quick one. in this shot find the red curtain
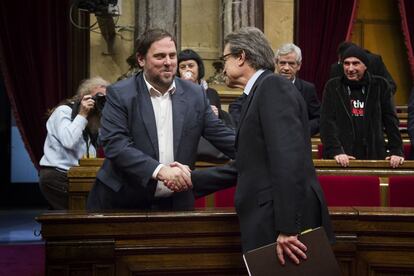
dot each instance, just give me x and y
(320, 27)
(34, 60)
(406, 8)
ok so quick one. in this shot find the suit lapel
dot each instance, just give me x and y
(147, 113)
(298, 84)
(246, 104)
(179, 108)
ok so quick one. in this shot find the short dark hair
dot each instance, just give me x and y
(189, 54)
(144, 42)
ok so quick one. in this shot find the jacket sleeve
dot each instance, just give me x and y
(213, 179)
(218, 134)
(329, 130)
(410, 123)
(390, 120)
(314, 109)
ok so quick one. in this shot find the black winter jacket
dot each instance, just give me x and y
(337, 129)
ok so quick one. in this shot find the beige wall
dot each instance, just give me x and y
(278, 21)
(110, 67)
(200, 30)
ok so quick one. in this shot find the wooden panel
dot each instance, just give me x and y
(378, 29)
(387, 39)
(376, 9)
(370, 241)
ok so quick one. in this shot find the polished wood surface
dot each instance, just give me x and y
(370, 241)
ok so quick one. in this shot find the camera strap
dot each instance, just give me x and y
(87, 137)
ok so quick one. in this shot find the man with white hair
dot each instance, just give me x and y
(288, 59)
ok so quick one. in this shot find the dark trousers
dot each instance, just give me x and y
(54, 187)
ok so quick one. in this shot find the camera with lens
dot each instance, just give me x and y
(100, 100)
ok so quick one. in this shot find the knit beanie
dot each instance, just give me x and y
(189, 54)
(357, 52)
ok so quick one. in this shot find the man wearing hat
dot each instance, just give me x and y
(356, 109)
(376, 65)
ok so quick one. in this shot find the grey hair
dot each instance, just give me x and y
(254, 44)
(288, 48)
(85, 88)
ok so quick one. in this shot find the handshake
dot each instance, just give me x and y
(176, 177)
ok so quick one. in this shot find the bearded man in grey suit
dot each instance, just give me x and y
(150, 122)
(277, 193)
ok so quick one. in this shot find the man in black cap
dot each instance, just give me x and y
(375, 65)
(356, 108)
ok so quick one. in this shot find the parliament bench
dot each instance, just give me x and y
(81, 179)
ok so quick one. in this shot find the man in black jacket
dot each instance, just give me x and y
(288, 61)
(356, 108)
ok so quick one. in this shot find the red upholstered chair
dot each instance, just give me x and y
(407, 151)
(320, 151)
(200, 202)
(351, 190)
(401, 191)
(225, 198)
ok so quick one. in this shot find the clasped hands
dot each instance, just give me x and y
(176, 177)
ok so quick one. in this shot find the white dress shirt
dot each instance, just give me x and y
(162, 106)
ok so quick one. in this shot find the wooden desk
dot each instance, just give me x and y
(370, 241)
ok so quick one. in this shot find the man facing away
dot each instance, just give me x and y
(277, 193)
(356, 109)
(288, 59)
(150, 121)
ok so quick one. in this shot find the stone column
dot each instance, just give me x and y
(237, 14)
(158, 14)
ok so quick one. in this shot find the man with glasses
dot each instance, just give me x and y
(277, 195)
(288, 61)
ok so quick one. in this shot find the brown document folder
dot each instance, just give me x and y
(320, 260)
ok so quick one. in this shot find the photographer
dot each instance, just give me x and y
(72, 132)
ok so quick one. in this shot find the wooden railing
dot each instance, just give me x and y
(370, 241)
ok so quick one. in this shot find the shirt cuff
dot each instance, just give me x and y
(157, 169)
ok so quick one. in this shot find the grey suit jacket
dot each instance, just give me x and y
(277, 190)
(129, 135)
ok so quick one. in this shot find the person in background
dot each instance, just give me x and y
(191, 68)
(288, 60)
(151, 121)
(356, 108)
(72, 133)
(375, 65)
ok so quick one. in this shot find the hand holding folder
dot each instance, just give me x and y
(320, 260)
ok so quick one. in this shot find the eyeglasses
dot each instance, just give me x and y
(224, 58)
